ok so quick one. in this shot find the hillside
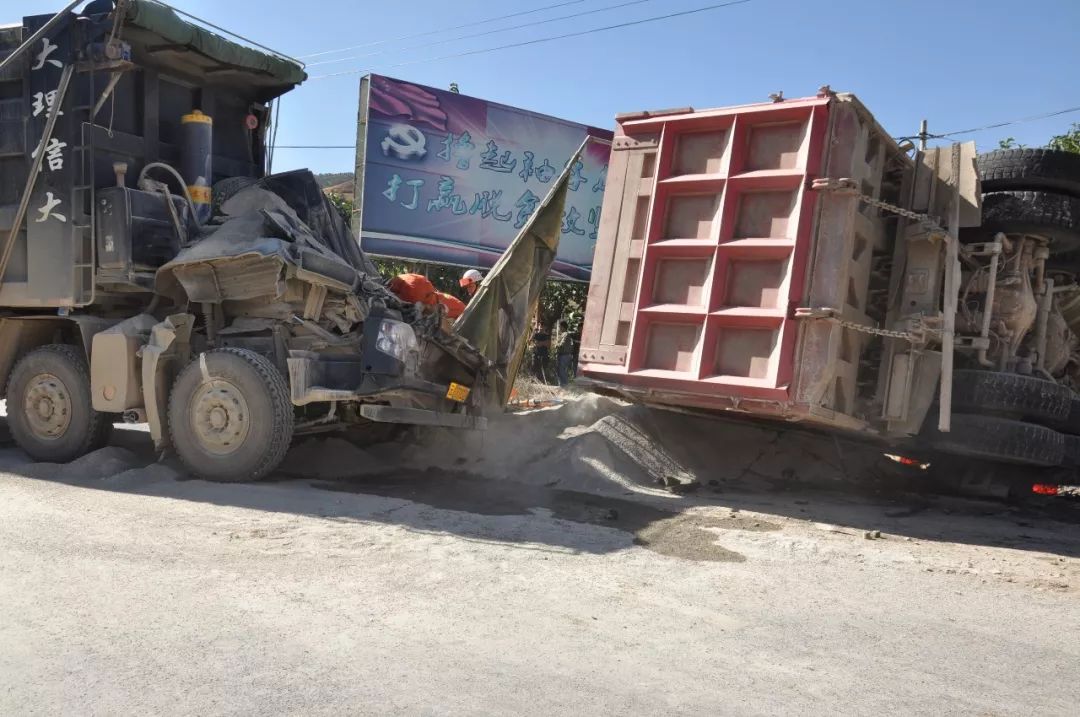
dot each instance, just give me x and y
(329, 179)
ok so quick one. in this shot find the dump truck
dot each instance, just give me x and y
(152, 271)
(789, 261)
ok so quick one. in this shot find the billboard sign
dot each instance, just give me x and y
(447, 178)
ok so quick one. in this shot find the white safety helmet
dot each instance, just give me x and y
(472, 276)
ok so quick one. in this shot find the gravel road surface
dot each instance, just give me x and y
(129, 589)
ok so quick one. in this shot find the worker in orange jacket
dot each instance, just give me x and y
(415, 288)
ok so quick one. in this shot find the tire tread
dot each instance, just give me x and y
(1057, 216)
(999, 439)
(1030, 168)
(282, 417)
(1010, 394)
(98, 428)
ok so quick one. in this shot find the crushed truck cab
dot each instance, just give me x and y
(152, 270)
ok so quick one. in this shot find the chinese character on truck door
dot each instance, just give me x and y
(43, 56)
(54, 154)
(43, 101)
(47, 208)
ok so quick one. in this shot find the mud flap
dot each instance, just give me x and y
(160, 351)
(911, 390)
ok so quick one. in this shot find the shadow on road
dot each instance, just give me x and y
(457, 502)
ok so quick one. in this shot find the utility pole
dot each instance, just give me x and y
(924, 134)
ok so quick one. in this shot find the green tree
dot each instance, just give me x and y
(343, 205)
(563, 300)
(1068, 141)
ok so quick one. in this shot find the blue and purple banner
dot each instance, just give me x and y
(452, 179)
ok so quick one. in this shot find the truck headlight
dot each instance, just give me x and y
(396, 339)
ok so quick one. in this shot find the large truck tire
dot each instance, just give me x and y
(998, 439)
(50, 410)
(1070, 424)
(1010, 394)
(226, 189)
(230, 416)
(1020, 169)
(1054, 216)
(1072, 452)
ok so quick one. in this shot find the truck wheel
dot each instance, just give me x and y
(1070, 424)
(1010, 394)
(997, 439)
(230, 416)
(1011, 169)
(1072, 452)
(50, 411)
(1054, 216)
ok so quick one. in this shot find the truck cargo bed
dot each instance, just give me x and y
(712, 238)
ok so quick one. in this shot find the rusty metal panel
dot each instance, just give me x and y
(715, 238)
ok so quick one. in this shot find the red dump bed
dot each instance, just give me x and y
(711, 238)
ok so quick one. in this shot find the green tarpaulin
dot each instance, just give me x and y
(497, 319)
(163, 21)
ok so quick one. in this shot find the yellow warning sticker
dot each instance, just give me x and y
(458, 393)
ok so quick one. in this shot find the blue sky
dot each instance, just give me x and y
(959, 63)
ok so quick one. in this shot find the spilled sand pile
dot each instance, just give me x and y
(598, 445)
(590, 444)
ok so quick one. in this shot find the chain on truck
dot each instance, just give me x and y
(150, 269)
(791, 261)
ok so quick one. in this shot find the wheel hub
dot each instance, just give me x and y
(220, 417)
(47, 406)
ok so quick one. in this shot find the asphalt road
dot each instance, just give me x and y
(129, 590)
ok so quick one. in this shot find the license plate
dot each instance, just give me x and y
(458, 393)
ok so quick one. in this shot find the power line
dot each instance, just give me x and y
(482, 34)
(944, 135)
(446, 29)
(540, 40)
(1007, 123)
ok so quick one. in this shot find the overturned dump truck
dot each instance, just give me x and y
(152, 271)
(789, 261)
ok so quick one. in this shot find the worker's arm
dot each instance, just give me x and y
(454, 306)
